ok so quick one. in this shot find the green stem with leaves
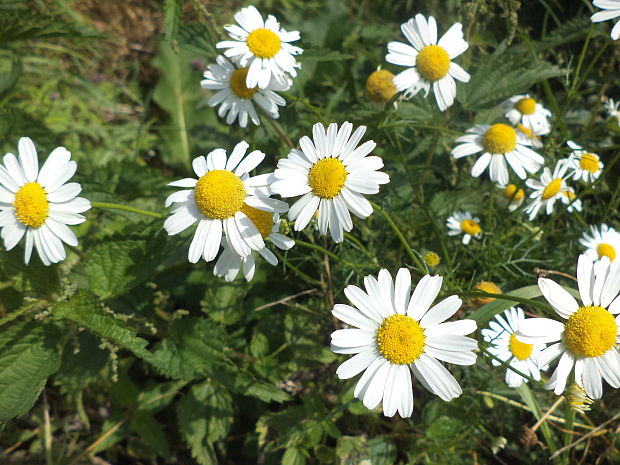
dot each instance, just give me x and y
(118, 206)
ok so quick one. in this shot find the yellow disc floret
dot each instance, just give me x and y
(589, 162)
(552, 189)
(512, 193)
(499, 138)
(432, 259)
(327, 177)
(527, 131)
(590, 331)
(264, 43)
(31, 205)
(219, 194)
(262, 220)
(237, 84)
(519, 349)
(470, 227)
(379, 86)
(527, 106)
(488, 287)
(400, 339)
(606, 250)
(433, 62)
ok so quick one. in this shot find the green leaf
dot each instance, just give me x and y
(86, 312)
(204, 416)
(223, 301)
(294, 456)
(10, 71)
(28, 23)
(172, 15)
(116, 266)
(192, 350)
(29, 354)
(381, 451)
(151, 432)
(178, 93)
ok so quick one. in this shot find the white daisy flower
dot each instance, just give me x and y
(331, 174)
(611, 10)
(499, 144)
(395, 332)
(263, 47)
(589, 338)
(524, 110)
(601, 242)
(237, 100)
(428, 61)
(587, 166)
(533, 136)
(506, 347)
(570, 199)
(464, 223)
(613, 108)
(40, 204)
(216, 200)
(550, 188)
(268, 224)
(512, 196)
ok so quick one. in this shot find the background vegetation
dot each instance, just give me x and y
(127, 354)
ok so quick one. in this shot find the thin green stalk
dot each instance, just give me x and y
(509, 367)
(296, 270)
(323, 250)
(33, 307)
(568, 436)
(117, 206)
(400, 236)
(359, 244)
(511, 298)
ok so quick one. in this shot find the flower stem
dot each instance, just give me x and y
(117, 206)
(400, 236)
(33, 307)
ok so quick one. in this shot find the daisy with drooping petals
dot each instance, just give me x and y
(587, 166)
(397, 333)
(216, 200)
(268, 224)
(499, 144)
(611, 10)
(464, 223)
(533, 136)
(331, 174)
(261, 46)
(612, 108)
(512, 196)
(430, 62)
(524, 110)
(589, 338)
(237, 100)
(506, 347)
(601, 242)
(550, 188)
(40, 204)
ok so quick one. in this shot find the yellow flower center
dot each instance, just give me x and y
(327, 177)
(263, 43)
(606, 250)
(589, 162)
(590, 331)
(552, 189)
(527, 131)
(31, 205)
(379, 86)
(526, 106)
(432, 259)
(400, 339)
(219, 194)
(520, 350)
(433, 62)
(262, 220)
(470, 227)
(512, 193)
(489, 287)
(499, 138)
(237, 84)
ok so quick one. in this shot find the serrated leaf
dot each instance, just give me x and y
(86, 312)
(172, 15)
(294, 456)
(192, 350)
(29, 354)
(151, 432)
(204, 416)
(28, 23)
(115, 266)
(197, 39)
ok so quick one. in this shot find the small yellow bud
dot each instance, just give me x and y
(379, 86)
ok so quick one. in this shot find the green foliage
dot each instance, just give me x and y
(29, 354)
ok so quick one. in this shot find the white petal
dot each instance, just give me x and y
(437, 377)
(356, 364)
(423, 296)
(441, 312)
(28, 158)
(563, 303)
